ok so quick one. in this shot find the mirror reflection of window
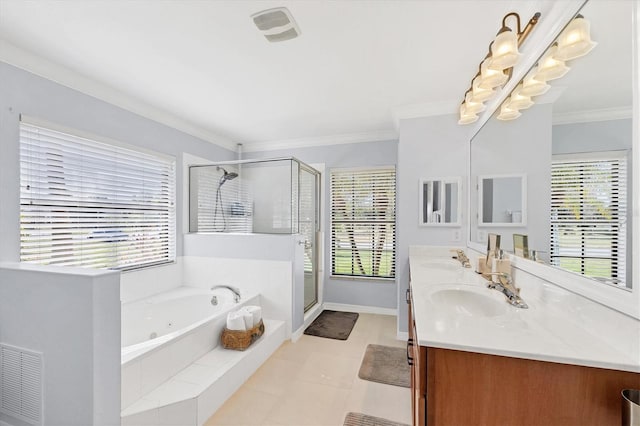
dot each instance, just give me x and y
(440, 202)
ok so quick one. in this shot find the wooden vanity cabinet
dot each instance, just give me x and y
(417, 359)
(450, 387)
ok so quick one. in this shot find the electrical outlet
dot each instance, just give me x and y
(456, 235)
(482, 236)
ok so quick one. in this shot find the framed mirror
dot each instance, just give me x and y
(576, 146)
(503, 200)
(440, 201)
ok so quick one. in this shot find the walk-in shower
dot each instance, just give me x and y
(270, 196)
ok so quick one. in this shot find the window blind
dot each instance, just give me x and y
(92, 204)
(363, 222)
(588, 215)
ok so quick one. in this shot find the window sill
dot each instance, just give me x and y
(354, 278)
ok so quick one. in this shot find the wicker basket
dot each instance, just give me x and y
(241, 340)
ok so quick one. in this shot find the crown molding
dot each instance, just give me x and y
(383, 135)
(588, 116)
(426, 109)
(20, 58)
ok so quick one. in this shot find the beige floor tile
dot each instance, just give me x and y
(247, 407)
(315, 382)
(274, 376)
(330, 369)
(307, 403)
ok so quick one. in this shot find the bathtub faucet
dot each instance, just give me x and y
(234, 290)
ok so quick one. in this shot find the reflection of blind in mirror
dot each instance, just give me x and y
(588, 216)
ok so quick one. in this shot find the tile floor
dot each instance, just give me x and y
(315, 382)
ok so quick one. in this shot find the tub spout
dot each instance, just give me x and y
(234, 290)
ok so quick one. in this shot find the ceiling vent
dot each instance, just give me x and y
(276, 24)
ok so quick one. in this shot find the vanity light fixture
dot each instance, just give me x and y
(532, 86)
(575, 40)
(507, 113)
(495, 69)
(550, 68)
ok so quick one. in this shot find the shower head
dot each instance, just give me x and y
(226, 176)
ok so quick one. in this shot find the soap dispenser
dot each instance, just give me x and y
(499, 265)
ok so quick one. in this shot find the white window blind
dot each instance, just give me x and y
(92, 204)
(588, 215)
(363, 222)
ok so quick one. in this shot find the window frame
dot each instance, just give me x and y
(332, 222)
(619, 251)
(109, 144)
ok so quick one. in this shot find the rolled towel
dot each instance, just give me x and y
(236, 321)
(247, 317)
(256, 311)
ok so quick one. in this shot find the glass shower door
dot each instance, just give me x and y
(308, 227)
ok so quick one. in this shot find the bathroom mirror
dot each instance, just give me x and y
(503, 200)
(440, 201)
(575, 147)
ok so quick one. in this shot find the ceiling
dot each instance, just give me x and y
(355, 65)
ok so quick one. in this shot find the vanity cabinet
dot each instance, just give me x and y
(417, 359)
(452, 387)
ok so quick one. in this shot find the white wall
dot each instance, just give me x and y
(522, 146)
(429, 147)
(72, 317)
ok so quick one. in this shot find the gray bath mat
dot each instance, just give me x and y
(359, 419)
(333, 325)
(386, 364)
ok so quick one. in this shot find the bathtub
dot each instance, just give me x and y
(165, 333)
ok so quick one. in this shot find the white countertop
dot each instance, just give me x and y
(559, 326)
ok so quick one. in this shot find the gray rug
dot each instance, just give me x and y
(386, 364)
(332, 325)
(359, 419)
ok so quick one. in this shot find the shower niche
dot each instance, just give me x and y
(275, 196)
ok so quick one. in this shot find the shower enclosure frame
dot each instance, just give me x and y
(314, 235)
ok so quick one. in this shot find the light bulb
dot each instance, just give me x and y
(532, 86)
(491, 78)
(550, 68)
(504, 50)
(507, 113)
(517, 100)
(478, 94)
(575, 40)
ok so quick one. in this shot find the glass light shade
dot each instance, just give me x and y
(575, 40)
(517, 100)
(471, 106)
(491, 78)
(533, 87)
(465, 116)
(478, 94)
(504, 50)
(507, 113)
(550, 68)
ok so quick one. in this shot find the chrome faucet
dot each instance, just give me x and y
(464, 260)
(234, 290)
(507, 287)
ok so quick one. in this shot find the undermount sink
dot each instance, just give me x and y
(468, 302)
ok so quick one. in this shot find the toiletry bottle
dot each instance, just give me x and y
(500, 265)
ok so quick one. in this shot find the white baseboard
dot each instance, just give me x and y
(402, 335)
(359, 308)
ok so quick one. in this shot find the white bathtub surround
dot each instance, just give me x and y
(187, 326)
(559, 326)
(191, 396)
(72, 317)
(142, 283)
(272, 279)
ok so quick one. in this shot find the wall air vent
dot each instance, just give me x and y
(276, 24)
(21, 384)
